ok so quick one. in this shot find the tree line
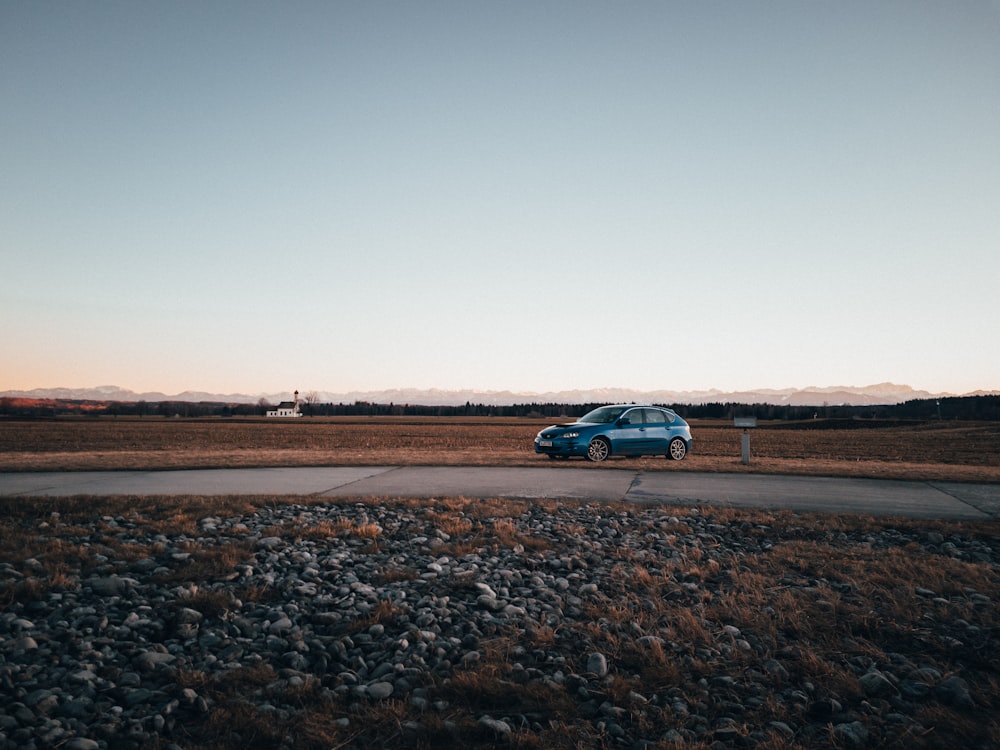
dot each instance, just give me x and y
(985, 408)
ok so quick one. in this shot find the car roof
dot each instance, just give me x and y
(639, 406)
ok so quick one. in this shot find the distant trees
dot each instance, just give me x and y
(311, 399)
(984, 408)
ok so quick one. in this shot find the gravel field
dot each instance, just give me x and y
(451, 622)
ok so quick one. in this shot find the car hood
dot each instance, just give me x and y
(570, 426)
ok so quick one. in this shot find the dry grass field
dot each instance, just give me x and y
(956, 451)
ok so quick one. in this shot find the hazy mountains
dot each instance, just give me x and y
(882, 393)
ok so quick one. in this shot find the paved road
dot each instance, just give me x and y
(945, 500)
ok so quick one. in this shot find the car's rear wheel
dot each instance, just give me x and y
(599, 449)
(678, 449)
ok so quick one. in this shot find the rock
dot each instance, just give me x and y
(380, 690)
(188, 615)
(875, 684)
(954, 691)
(110, 585)
(776, 669)
(25, 643)
(149, 661)
(597, 664)
(281, 625)
(914, 690)
(852, 734)
(502, 728)
(781, 728)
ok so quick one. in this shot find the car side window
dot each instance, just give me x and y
(655, 416)
(634, 416)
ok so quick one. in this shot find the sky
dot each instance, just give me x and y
(254, 197)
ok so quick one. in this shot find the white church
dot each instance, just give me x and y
(287, 408)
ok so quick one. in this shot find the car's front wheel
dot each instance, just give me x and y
(678, 449)
(599, 449)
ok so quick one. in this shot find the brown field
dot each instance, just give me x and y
(955, 451)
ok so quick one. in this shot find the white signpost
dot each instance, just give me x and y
(745, 423)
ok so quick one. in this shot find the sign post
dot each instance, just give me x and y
(745, 423)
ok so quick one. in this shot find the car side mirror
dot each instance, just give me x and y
(624, 421)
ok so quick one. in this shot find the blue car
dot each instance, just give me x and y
(620, 430)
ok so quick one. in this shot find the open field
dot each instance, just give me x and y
(945, 451)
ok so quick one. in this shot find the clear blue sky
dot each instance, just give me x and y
(256, 197)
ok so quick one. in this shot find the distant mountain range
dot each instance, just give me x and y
(870, 395)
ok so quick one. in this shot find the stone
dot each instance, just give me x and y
(502, 728)
(875, 684)
(597, 664)
(109, 585)
(380, 690)
(852, 734)
(954, 691)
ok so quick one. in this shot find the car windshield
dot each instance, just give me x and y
(604, 415)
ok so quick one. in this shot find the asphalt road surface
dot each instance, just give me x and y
(944, 500)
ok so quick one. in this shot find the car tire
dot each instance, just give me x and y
(677, 449)
(598, 450)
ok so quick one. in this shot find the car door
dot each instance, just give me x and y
(657, 431)
(629, 434)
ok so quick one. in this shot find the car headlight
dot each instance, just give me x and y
(570, 435)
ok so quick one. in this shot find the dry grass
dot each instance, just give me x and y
(208, 563)
(960, 451)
